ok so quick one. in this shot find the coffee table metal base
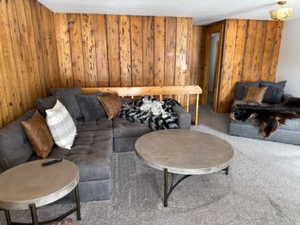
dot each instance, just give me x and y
(34, 217)
(168, 189)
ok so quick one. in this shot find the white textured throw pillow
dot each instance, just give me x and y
(61, 125)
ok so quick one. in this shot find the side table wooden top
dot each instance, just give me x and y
(184, 151)
(30, 183)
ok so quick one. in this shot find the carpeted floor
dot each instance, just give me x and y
(263, 188)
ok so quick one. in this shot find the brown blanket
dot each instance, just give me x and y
(267, 117)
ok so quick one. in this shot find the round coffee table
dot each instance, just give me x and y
(29, 186)
(183, 152)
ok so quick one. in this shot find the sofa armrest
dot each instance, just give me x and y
(184, 118)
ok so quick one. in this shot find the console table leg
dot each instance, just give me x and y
(34, 216)
(166, 188)
(77, 199)
(7, 217)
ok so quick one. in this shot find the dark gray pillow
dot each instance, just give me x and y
(69, 101)
(67, 98)
(240, 88)
(90, 107)
(42, 104)
(14, 145)
(65, 91)
(274, 92)
(273, 95)
(280, 84)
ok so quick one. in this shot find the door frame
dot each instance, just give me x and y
(218, 27)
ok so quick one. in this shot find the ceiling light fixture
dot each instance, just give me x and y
(281, 13)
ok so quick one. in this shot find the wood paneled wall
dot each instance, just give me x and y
(40, 50)
(250, 53)
(107, 50)
(28, 56)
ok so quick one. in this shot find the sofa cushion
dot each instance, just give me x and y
(90, 107)
(240, 88)
(67, 97)
(92, 153)
(124, 128)
(67, 100)
(14, 145)
(274, 92)
(65, 91)
(102, 124)
(42, 104)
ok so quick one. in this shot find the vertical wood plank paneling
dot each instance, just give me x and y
(240, 44)
(258, 49)
(74, 21)
(197, 54)
(20, 82)
(159, 50)
(170, 50)
(33, 18)
(181, 51)
(113, 50)
(7, 63)
(63, 49)
(101, 50)
(227, 67)
(276, 47)
(33, 49)
(35, 46)
(268, 49)
(89, 50)
(148, 51)
(49, 47)
(125, 51)
(250, 53)
(25, 38)
(189, 51)
(137, 50)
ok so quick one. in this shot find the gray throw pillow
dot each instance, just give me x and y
(280, 84)
(240, 88)
(90, 107)
(69, 101)
(42, 104)
(67, 98)
(65, 91)
(274, 92)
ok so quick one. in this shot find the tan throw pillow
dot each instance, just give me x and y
(254, 94)
(39, 135)
(111, 104)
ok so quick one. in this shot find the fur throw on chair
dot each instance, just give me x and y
(266, 116)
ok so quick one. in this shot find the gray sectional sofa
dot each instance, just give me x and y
(288, 133)
(92, 151)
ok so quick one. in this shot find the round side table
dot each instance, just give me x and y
(30, 185)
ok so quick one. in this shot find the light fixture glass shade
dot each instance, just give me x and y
(281, 13)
